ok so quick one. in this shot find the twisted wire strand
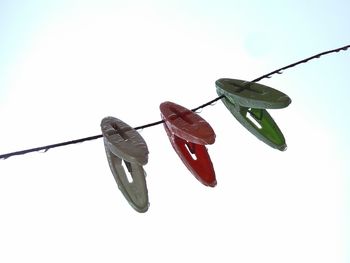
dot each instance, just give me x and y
(90, 138)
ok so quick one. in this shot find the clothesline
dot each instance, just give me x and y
(268, 75)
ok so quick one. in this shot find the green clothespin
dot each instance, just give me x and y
(243, 97)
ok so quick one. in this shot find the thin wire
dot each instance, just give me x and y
(48, 147)
(279, 71)
(148, 125)
(268, 75)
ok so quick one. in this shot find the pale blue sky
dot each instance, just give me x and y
(64, 65)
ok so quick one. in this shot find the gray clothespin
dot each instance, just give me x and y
(124, 144)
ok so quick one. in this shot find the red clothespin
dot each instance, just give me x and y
(189, 133)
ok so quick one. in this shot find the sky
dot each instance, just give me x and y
(65, 65)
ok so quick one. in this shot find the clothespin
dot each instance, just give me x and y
(243, 97)
(124, 144)
(188, 134)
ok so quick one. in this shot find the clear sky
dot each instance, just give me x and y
(65, 65)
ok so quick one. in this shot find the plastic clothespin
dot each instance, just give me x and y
(188, 134)
(124, 144)
(243, 97)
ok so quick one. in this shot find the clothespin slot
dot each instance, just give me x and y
(248, 101)
(123, 144)
(188, 134)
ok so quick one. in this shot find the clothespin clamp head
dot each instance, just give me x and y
(124, 144)
(188, 134)
(248, 101)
